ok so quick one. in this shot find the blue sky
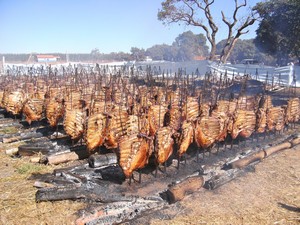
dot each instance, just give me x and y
(78, 26)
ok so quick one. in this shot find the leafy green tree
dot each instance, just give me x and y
(95, 53)
(197, 13)
(189, 45)
(162, 52)
(138, 54)
(185, 47)
(279, 29)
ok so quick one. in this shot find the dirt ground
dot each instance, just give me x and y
(270, 195)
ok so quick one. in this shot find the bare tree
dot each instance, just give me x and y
(198, 13)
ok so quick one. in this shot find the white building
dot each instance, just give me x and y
(47, 58)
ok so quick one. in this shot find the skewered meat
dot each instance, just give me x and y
(54, 111)
(186, 137)
(13, 101)
(159, 96)
(163, 144)
(134, 153)
(292, 110)
(173, 97)
(33, 109)
(96, 131)
(156, 116)
(204, 109)
(99, 106)
(223, 121)
(116, 126)
(244, 122)
(207, 131)
(1, 97)
(173, 118)
(132, 125)
(261, 119)
(275, 118)
(137, 125)
(54, 104)
(247, 103)
(228, 107)
(74, 123)
(265, 102)
(191, 109)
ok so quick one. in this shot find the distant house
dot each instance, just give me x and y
(148, 59)
(47, 58)
(199, 57)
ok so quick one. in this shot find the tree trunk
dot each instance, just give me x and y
(228, 50)
(213, 50)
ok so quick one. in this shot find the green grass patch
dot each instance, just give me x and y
(8, 130)
(29, 168)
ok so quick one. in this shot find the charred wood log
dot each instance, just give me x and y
(102, 160)
(295, 141)
(229, 175)
(90, 192)
(178, 190)
(118, 212)
(74, 155)
(22, 137)
(29, 150)
(241, 163)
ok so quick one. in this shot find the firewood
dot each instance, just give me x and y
(62, 158)
(120, 212)
(72, 154)
(241, 163)
(229, 175)
(6, 121)
(40, 184)
(277, 148)
(102, 160)
(177, 191)
(22, 137)
(29, 150)
(11, 151)
(12, 124)
(99, 193)
(295, 141)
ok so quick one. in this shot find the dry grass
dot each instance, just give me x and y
(8, 130)
(17, 195)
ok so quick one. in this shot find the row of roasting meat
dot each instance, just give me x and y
(139, 121)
